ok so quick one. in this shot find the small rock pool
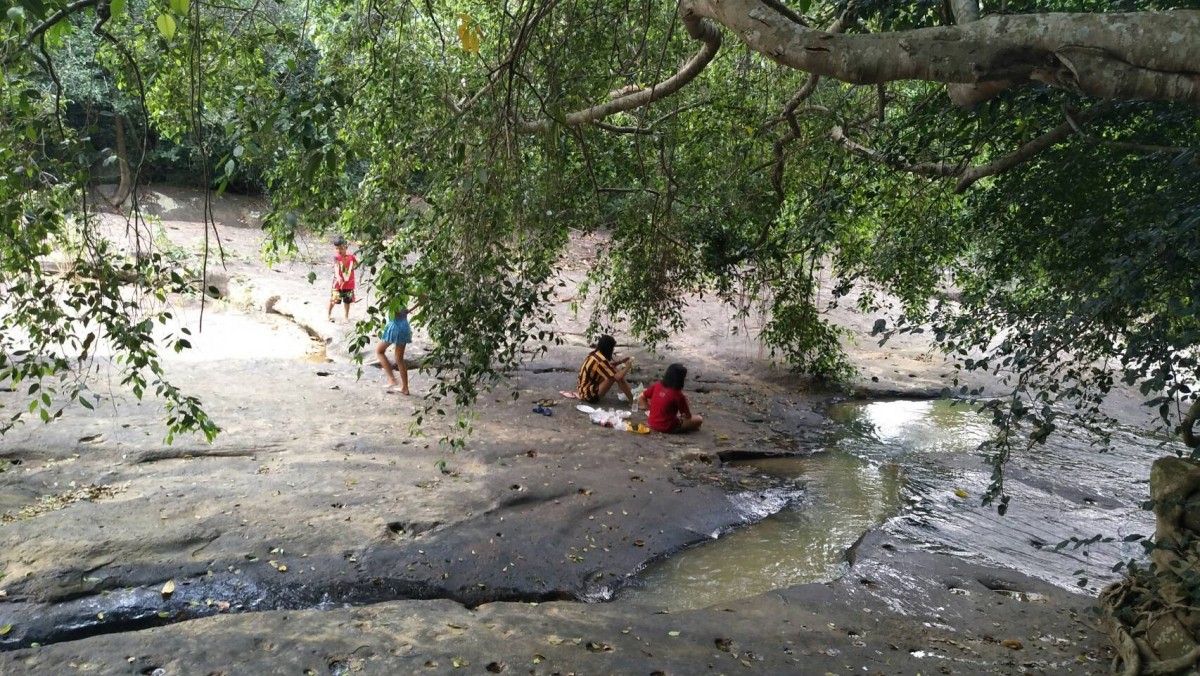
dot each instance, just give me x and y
(905, 466)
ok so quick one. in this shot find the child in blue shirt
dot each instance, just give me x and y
(397, 333)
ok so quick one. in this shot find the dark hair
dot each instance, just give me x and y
(605, 345)
(674, 376)
(339, 241)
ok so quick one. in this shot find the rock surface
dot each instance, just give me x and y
(315, 497)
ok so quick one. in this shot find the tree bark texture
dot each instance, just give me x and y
(1150, 615)
(1135, 55)
(126, 185)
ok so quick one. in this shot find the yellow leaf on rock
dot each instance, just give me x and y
(5, 629)
(961, 493)
(168, 588)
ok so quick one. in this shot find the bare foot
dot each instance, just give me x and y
(404, 392)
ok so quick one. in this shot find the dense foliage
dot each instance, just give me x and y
(440, 136)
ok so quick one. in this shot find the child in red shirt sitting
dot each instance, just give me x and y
(667, 405)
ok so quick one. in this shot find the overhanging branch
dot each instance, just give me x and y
(967, 174)
(967, 11)
(650, 128)
(698, 29)
(1104, 56)
(58, 16)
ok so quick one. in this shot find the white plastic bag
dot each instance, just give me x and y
(609, 418)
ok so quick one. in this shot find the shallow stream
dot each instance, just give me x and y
(905, 466)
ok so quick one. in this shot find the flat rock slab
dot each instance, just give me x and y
(900, 611)
(315, 496)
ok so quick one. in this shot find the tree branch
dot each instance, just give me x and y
(461, 107)
(963, 95)
(1140, 148)
(56, 17)
(966, 174)
(789, 113)
(1127, 146)
(649, 129)
(1104, 56)
(965, 11)
(698, 29)
(786, 11)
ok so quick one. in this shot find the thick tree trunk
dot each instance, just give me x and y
(126, 185)
(1137, 55)
(1151, 615)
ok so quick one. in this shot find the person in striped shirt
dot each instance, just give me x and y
(600, 372)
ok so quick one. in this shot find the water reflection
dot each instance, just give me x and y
(843, 497)
(912, 426)
(909, 464)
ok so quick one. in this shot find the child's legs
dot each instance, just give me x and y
(402, 368)
(381, 354)
(621, 383)
(346, 304)
(604, 387)
(690, 424)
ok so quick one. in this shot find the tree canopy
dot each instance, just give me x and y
(1019, 176)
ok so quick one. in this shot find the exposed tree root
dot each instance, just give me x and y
(1149, 616)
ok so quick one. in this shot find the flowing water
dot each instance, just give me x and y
(904, 466)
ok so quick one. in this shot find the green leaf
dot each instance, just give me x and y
(85, 403)
(229, 167)
(116, 7)
(5, 629)
(179, 6)
(166, 25)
